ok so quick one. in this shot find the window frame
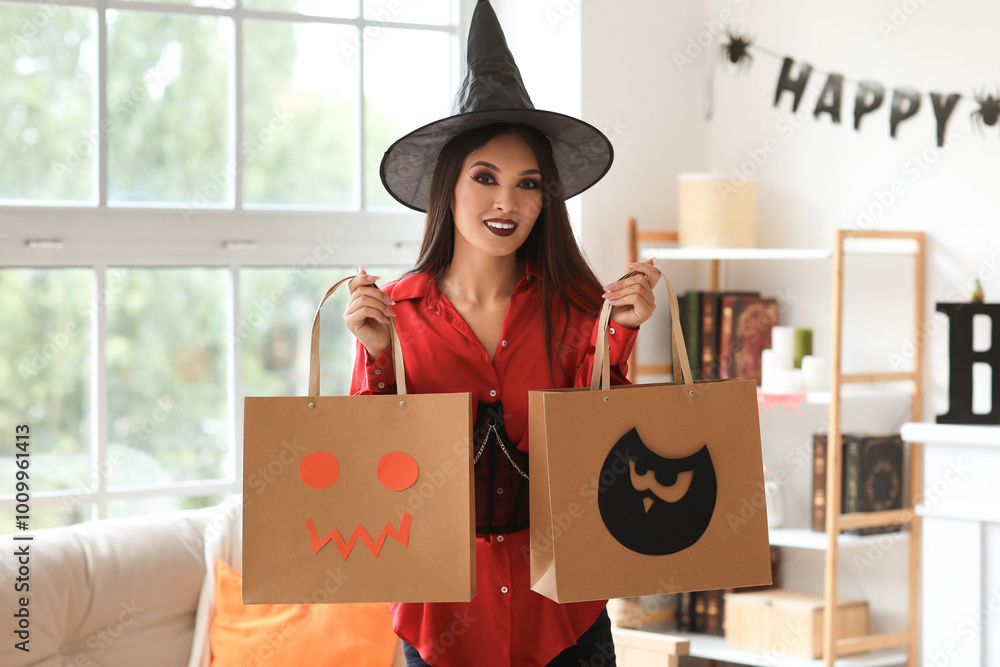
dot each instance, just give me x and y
(100, 237)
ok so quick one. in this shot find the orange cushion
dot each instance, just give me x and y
(276, 635)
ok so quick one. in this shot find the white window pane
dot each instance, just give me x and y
(167, 386)
(48, 138)
(66, 513)
(347, 9)
(300, 114)
(168, 108)
(407, 84)
(431, 12)
(45, 374)
(277, 306)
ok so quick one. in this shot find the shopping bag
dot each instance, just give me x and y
(646, 489)
(358, 498)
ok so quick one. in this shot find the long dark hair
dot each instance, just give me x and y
(551, 244)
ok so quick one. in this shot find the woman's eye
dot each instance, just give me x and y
(483, 178)
(529, 184)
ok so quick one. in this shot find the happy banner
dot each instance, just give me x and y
(904, 103)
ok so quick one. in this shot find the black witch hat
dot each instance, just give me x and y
(493, 92)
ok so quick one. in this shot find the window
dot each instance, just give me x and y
(180, 181)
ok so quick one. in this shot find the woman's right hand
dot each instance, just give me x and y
(367, 314)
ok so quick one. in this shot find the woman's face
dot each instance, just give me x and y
(498, 196)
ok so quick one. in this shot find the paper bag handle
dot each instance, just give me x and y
(397, 353)
(600, 377)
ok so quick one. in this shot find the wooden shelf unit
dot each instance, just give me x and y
(875, 649)
(836, 522)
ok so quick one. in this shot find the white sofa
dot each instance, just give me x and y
(114, 592)
(135, 592)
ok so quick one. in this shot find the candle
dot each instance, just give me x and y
(814, 373)
(786, 381)
(768, 370)
(802, 345)
(783, 344)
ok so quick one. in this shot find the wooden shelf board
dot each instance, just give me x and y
(888, 390)
(715, 648)
(803, 538)
(734, 253)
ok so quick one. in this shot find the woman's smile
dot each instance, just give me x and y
(500, 226)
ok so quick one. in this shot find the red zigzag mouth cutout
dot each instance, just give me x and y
(375, 546)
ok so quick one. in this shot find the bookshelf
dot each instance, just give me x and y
(876, 649)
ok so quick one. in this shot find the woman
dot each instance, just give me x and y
(500, 302)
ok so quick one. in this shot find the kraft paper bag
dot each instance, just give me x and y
(643, 489)
(358, 498)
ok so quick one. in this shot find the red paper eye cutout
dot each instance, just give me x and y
(397, 471)
(319, 469)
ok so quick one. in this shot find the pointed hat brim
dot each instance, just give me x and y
(583, 154)
(493, 92)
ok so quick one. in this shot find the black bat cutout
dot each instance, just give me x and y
(655, 505)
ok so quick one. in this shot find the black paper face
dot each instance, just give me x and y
(655, 505)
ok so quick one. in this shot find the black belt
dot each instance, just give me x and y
(501, 475)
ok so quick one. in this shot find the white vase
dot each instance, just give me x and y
(774, 501)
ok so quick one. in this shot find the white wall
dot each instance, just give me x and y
(654, 113)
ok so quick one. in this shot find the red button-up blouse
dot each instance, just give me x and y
(506, 623)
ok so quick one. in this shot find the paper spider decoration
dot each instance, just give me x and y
(736, 50)
(987, 113)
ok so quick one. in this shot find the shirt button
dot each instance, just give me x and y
(493, 392)
(499, 491)
(503, 589)
(499, 538)
(381, 385)
(612, 330)
(503, 343)
(378, 371)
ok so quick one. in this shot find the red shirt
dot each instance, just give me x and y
(506, 623)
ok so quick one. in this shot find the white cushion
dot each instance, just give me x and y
(109, 593)
(223, 541)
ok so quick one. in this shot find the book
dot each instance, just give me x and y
(691, 326)
(744, 332)
(819, 484)
(685, 612)
(711, 316)
(872, 478)
(709, 362)
(700, 601)
(713, 612)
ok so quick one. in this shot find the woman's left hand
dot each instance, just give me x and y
(632, 298)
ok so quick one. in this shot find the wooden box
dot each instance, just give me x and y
(788, 623)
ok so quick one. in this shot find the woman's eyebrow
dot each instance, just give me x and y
(483, 163)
